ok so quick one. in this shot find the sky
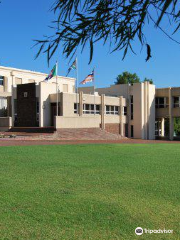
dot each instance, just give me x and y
(21, 22)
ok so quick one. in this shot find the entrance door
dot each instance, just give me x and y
(26, 115)
(54, 112)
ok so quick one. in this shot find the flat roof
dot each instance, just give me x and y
(30, 71)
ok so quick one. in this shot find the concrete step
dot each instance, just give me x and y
(32, 130)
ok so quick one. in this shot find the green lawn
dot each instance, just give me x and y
(89, 191)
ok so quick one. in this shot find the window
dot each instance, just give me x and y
(112, 110)
(125, 111)
(132, 107)
(116, 110)
(1, 80)
(132, 131)
(97, 109)
(176, 102)
(3, 107)
(126, 130)
(75, 107)
(157, 128)
(91, 109)
(107, 110)
(161, 102)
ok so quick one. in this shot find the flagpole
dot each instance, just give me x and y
(77, 85)
(94, 94)
(57, 100)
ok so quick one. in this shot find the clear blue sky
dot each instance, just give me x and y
(22, 21)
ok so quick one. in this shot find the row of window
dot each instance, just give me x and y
(162, 102)
(176, 102)
(95, 109)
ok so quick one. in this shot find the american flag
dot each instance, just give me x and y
(89, 78)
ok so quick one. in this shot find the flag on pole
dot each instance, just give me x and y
(89, 78)
(72, 67)
(52, 74)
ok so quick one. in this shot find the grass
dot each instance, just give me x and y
(89, 191)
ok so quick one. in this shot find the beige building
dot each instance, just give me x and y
(137, 111)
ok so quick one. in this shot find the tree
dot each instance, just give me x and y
(148, 80)
(116, 22)
(127, 77)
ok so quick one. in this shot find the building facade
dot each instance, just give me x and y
(136, 111)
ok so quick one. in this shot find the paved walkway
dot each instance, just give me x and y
(16, 142)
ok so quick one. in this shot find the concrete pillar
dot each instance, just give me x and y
(121, 116)
(9, 111)
(5, 84)
(61, 103)
(12, 98)
(162, 127)
(102, 111)
(41, 107)
(171, 120)
(171, 128)
(80, 103)
(148, 109)
(145, 129)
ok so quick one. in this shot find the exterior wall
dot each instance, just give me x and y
(162, 92)
(137, 92)
(113, 128)
(115, 90)
(111, 119)
(5, 123)
(69, 119)
(15, 76)
(68, 101)
(45, 89)
(176, 112)
(143, 103)
(162, 112)
(78, 122)
(86, 90)
(151, 119)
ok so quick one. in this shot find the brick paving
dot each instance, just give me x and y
(67, 134)
(70, 136)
